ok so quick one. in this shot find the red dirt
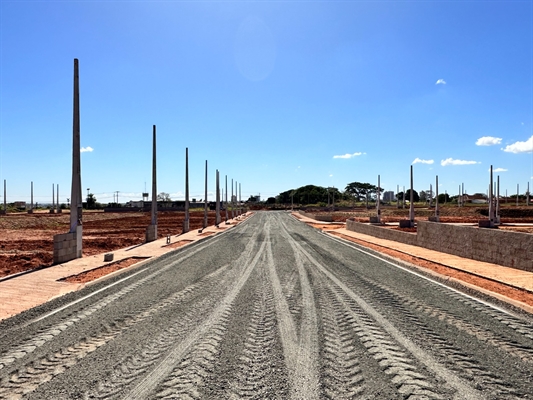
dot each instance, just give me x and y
(96, 273)
(26, 240)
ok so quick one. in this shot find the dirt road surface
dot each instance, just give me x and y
(270, 309)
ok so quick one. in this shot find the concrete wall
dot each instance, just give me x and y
(510, 249)
(382, 233)
(67, 246)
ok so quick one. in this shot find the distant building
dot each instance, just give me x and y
(389, 196)
(136, 204)
(19, 204)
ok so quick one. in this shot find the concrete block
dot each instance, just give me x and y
(108, 257)
(151, 233)
(406, 223)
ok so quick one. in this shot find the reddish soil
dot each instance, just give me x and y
(26, 240)
(96, 273)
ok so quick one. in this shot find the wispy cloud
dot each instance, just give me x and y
(520, 147)
(440, 82)
(420, 161)
(499, 170)
(87, 149)
(451, 161)
(347, 155)
(488, 141)
(330, 175)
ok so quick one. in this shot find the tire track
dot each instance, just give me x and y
(165, 366)
(374, 337)
(22, 381)
(342, 376)
(300, 353)
(48, 334)
(257, 359)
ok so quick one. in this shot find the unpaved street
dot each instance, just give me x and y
(270, 309)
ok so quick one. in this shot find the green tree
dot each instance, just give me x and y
(91, 201)
(416, 197)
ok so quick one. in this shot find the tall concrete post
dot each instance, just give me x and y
(217, 205)
(403, 199)
(205, 198)
(30, 211)
(459, 197)
(430, 195)
(186, 220)
(151, 231)
(397, 197)
(69, 246)
(527, 195)
(231, 201)
(492, 208)
(4, 211)
(226, 202)
(437, 211)
(378, 201)
(57, 200)
(498, 201)
(411, 202)
(517, 192)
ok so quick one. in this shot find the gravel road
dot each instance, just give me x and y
(270, 309)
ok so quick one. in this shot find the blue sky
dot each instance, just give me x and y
(275, 95)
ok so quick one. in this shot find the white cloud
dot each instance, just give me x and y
(499, 170)
(87, 149)
(349, 155)
(488, 141)
(520, 147)
(418, 160)
(451, 161)
(440, 82)
(330, 175)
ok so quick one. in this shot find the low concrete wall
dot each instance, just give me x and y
(68, 246)
(510, 249)
(382, 233)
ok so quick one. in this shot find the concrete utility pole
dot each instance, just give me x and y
(497, 220)
(57, 200)
(205, 198)
(217, 204)
(517, 192)
(527, 195)
(492, 208)
(53, 209)
(437, 212)
(30, 211)
(378, 201)
(69, 246)
(186, 220)
(231, 200)
(397, 197)
(4, 211)
(226, 202)
(151, 231)
(403, 199)
(430, 195)
(411, 202)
